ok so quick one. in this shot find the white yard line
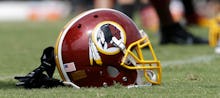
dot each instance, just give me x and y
(191, 60)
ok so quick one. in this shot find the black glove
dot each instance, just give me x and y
(37, 78)
(48, 61)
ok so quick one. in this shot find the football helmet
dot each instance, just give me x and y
(101, 47)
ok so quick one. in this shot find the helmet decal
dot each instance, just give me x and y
(103, 34)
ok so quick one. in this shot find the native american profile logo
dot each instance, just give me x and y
(103, 34)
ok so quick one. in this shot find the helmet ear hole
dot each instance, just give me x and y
(112, 71)
(95, 16)
(79, 26)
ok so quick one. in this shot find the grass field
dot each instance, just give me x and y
(188, 71)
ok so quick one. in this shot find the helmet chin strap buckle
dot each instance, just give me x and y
(143, 34)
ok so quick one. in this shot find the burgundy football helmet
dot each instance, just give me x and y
(101, 47)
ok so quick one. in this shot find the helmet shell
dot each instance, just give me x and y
(72, 48)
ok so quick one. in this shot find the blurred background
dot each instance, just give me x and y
(16, 10)
(33, 10)
(53, 10)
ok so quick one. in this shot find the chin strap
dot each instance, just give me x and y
(37, 78)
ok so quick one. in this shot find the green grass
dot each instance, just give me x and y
(188, 70)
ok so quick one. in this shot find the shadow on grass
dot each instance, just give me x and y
(7, 84)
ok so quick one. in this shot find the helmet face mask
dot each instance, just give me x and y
(103, 46)
(136, 57)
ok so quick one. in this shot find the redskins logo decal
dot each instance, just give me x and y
(102, 37)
